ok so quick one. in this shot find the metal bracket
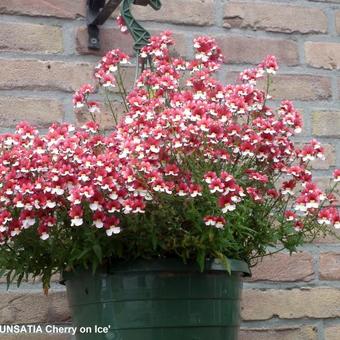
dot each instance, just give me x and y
(98, 11)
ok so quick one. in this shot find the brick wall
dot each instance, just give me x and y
(44, 57)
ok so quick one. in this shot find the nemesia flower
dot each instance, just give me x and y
(287, 187)
(216, 186)
(210, 220)
(336, 221)
(257, 176)
(208, 53)
(183, 190)
(269, 64)
(93, 107)
(254, 194)
(290, 215)
(226, 204)
(78, 100)
(121, 23)
(43, 231)
(251, 75)
(195, 190)
(301, 204)
(98, 219)
(171, 170)
(209, 177)
(336, 175)
(108, 81)
(325, 216)
(298, 226)
(113, 231)
(273, 193)
(217, 222)
(312, 151)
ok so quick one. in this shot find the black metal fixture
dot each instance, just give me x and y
(98, 11)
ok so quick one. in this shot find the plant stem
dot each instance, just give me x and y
(121, 88)
(93, 117)
(111, 107)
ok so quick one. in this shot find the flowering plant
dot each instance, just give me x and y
(193, 169)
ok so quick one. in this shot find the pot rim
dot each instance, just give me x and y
(166, 265)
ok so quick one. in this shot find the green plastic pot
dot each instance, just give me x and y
(157, 300)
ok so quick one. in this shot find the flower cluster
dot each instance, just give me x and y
(61, 174)
(207, 125)
(195, 167)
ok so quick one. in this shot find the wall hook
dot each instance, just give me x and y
(98, 11)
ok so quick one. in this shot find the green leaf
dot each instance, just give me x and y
(19, 279)
(98, 251)
(94, 267)
(154, 240)
(225, 262)
(79, 256)
(8, 279)
(201, 259)
(2, 272)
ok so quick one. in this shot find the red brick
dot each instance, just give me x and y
(250, 50)
(48, 8)
(283, 333)
(110, 38)
(338, 83)
(320, 302)
(275, 18)
(284, 267)
(44, 75)
(17, 308)
(329, 239)
(330, 266)
(331, 1)
(299, 87)
(323, 54)
(293, 86)
(332, 332)
(192, 12)
(337, 21)
(326, 123)
(19, 37)
(37, 111)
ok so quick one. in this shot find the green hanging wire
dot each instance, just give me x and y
(139, 34)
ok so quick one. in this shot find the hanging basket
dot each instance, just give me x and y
(158, 300)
